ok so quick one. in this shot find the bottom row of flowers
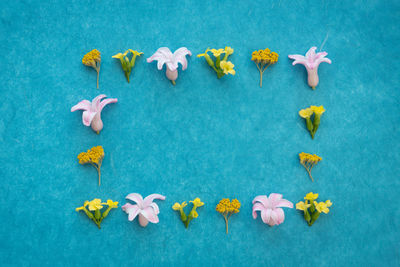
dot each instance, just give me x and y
(269, 207)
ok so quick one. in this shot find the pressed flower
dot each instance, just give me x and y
(94, 209)
(126, 63)
(186, 219)
(309, 161)
(94, 157)
(227, 208)
(263, 59)
(312, 209)
(164, 56)
(220, 65)
(145, 208)
(91, 115)
(311, 62)
(271, 208)
(93, 59)
(312, 124)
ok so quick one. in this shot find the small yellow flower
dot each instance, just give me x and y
(302, 206)
(178, 206)
(328, 203)
(95, 204)
(197, 203)
(112, 204)
(306, 113)
(321, 207)
(218, 52)
(227, 67)
(119, 55)
(195, 214)
(311, 196)
(135, 52)
(318, 110)
(228, 50)
(204, 54)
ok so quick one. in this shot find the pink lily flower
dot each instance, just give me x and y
(145, 208)
(311, 61)
(164, 56)
(92, 111)
(270, 208)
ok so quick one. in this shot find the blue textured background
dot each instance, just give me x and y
(204, 137)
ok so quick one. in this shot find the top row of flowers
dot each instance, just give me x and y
(217, 59)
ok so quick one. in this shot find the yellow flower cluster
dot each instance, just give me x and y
(186, 219)
(221, 65)
(91, 58)
(308, 112)
(264, 56)
(306, 157)
(225, 206)
(312, 209)
(309, 161)
(93, 155)
(94, 207)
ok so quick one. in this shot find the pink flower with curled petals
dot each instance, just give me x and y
(164, 56)
(270, 208)
(311, 61)
(145, 208)
(91, 115)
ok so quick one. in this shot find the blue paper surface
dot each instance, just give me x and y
(204, 137)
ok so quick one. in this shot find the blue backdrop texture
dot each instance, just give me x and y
(204, 137)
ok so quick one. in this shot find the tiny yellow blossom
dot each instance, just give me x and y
(178, 206)
(318, 110)
(227, 67)
(119, 55)
(321, 207)
(204, 54)
(93, 59)
(306, 113)
(311, 196)
(197, 203)
(218, 52)
(328, 203)
(228, 50)
(112, 204)
(195, 214)
(302, 206)
(95, 204)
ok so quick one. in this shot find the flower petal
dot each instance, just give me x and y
(274, 218)
(311, 53)
(135, 197)
(284, 203)
(132, 210)
(149, 199)
(83, 105)
(150, 215)
(96, 102)
(274, 199)
(105, 102)
(299, 59)
(162, 55)
(180, 57)
(87, 117)
(280, 215)
(257, 207)
(263, 199)
(266, 216)
(155, 208)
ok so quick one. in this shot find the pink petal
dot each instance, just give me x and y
(96, 102)
(147, 201)
(324, 59)
(135, 197)
(83, 105)
(284, 203)
(280, 215)
(263, 199)
(162, 55)
(155, 208)
(106, 102)
(311, 53)
(132, 210)
(150, 215)
(274, 199)
(274, 218)
(87, 117)
(297, 57)
(266, 215)
(257, 207)
(180, 56)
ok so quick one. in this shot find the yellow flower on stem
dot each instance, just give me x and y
(126, 63)
(228, 50)
(95, 206)
(309, 161)
(263, 59)
(93, 59)
(218, 52)
(197, 203)
(318, 110)
(227, 208)
(93, 156)
(306, 113)
(178, 206)
(312, 126)
(311, 196)
(302, 206)
(321, 207)
(227, 67)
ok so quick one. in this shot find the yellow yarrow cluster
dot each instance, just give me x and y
(93, 155)
(264, 56)
(309, 161)
(225, 205)
(91, 58)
